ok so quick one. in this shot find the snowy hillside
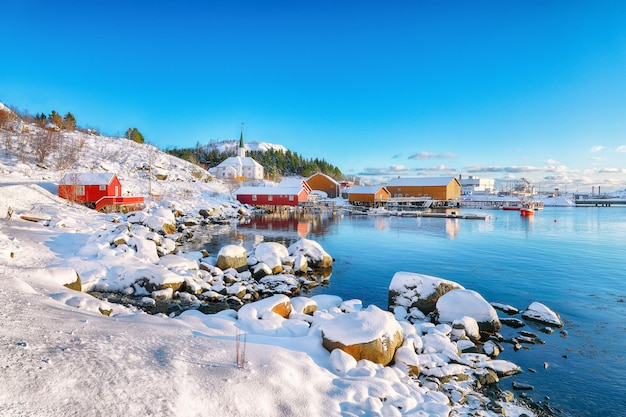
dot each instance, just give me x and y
(141, 168)
(231, 146)
(66, 353)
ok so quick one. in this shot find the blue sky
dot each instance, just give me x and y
(497, 89)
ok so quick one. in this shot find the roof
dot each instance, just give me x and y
(365, 189)
(288, 186)
(87, 178)
(269, 190)
(420, 181)
(236, 161)
(319, 174)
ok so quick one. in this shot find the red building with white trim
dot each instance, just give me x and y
(290, 192)
(97, 190)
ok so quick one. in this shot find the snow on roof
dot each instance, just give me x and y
(325, 176)
(420, 181)
(245, 161)
(87, 178)
(364, 189)
(288, 186)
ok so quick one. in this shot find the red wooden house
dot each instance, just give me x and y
(100, 191)
(289, 192)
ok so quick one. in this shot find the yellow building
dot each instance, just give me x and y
(371, 195)
(437, 188)
(322, 182)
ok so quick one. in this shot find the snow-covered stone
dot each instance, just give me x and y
(317, 257)
(371, 334)
(539, 312)
(232, 256)
(271, 254)
(459, 303)
(408, 289)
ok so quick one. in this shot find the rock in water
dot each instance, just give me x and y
(542, 314)
(458, 303)
(408, 290)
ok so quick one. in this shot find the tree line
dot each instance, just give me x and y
(276, 163)
(54, 121)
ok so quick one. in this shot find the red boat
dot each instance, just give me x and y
(527, 212)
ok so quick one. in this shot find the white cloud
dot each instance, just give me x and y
(597, 148)
(621, 148)
(430, 155)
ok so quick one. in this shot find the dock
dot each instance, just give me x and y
(360, 211)
(600, 202)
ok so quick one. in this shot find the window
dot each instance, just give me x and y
(102, 187)
(253, 197)
(80, 190)
(291, 197)
(270, 197)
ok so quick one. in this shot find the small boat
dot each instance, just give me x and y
(528, 209)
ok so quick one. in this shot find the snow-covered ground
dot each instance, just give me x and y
(61, 355)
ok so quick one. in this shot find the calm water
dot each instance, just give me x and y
(571, 259)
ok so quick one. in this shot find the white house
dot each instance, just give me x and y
(473, 185)
(240, 167)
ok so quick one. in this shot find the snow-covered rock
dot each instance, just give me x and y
(271, 254)
(540, 313)
(457, 304)
(232, 256)
(316, 255)
(371, 334)
(409, 289)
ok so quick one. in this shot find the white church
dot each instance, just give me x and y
(240, 167)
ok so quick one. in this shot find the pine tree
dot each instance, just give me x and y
(69, 122)
(56, 119)
(135, 135)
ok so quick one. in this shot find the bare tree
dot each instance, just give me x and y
(22, 146)
(5, 118)
(68, 151)
(43, 144)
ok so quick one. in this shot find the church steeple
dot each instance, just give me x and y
(241, 152)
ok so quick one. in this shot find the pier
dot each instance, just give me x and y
(600, 202)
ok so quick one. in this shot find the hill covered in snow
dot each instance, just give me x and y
(64, 352)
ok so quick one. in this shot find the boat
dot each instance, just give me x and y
(528, 209)
(527, 212)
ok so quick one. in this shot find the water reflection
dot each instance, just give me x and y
(284, 227)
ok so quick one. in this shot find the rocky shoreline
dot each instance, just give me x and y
(444, 344)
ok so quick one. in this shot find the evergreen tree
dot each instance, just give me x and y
(41, 120)
(56, 119)
(135, 135)
(69, 122)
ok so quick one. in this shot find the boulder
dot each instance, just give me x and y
(161, 220)
(278, 304)
(304, 305)
(271, 254)
(317, 257)
(371, 334)
(542, 314)
(410, 290)
(232, 256)
(456, 304)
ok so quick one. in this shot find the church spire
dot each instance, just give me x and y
(242, 150)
